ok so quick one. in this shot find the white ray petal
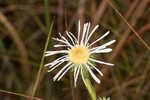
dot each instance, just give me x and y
(100, 38)
(57, 75)
(53, 62)
(76, 77)
(83, 34)
(56, 66)
(91, 34)
(95, 68)
(60, 45)
(101, 51)
(73, 37)
(63, 41)
(47, 64)
(104, 45)
(75, 70)
(59, 40)
(56, 62)
(88, 31)
(66, 41)
(64, 72)
(83, 76)
(92, 74)
(49, 53)
(60, 34)
(70, 38)
(98, 48)
(100, 62)
(79, 31)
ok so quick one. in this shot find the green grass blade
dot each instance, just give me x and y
(47, 16)
(42, 62)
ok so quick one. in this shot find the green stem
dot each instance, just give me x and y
(71, 85)
(41, 64)
(89, 85)
(47, 16)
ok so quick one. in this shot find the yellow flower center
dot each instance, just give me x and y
(79, 54)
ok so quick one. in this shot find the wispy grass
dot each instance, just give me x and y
(42, 61)
(129, 25)
(47, 16)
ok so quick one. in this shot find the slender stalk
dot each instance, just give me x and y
(129, 25)
(47, 17)
(19, 94)
(71, 85)
(42, 62)
(90, 89)
(89, 85)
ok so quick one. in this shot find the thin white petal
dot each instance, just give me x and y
(78, 31)
(76, 77)
(83, 34)
(75, 70)
(92, 74)
(83, 77)
(70, 38)
(59, 45)
(57, 62)
(64, 72)
(96, 68)
(49, 53)
(104, 45)
(66, 41)
(88, 31)
(57, 75)
(60, 34)
(100, 62)
(91, 33)
(59, 40)
(100, 38)
(63, 41)
(56, 66)
(73, 37)
(101, 51)
(47, 64)
(58, 59)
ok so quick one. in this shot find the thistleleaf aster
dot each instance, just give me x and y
(78, 54)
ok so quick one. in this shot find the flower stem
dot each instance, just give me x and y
(89, 85)
(90, 89)
(71, 85)
(47, 16)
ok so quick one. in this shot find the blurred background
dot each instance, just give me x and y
(24, 25)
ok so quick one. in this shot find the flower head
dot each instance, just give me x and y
(78, 54)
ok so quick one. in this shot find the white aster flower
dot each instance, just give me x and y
(78, 54)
